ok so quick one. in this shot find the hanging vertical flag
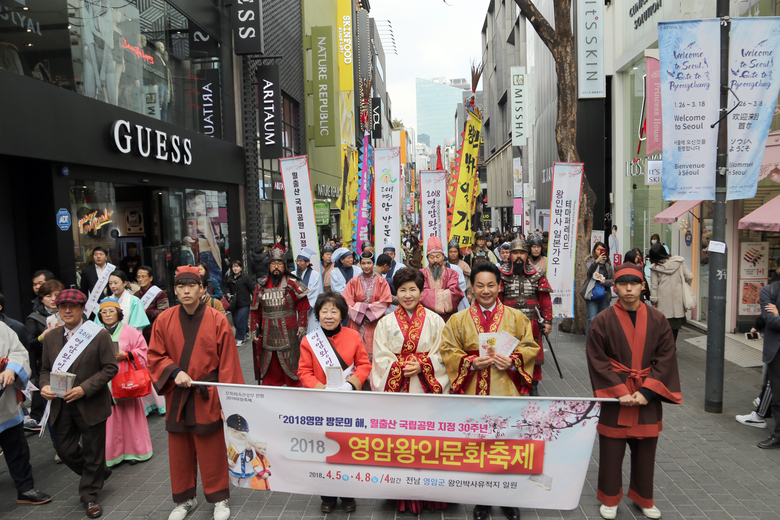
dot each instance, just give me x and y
(467, 172)
(654, 142)
(364, 209)
(433, 186)
(561, 252)
(387, 196)
(754, 79)
(300, 206)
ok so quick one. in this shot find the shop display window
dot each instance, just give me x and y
(142, 55)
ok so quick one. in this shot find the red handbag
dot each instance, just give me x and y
(131, 384)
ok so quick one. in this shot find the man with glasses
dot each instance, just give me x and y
(154, 299)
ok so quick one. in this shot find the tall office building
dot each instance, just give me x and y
(436, 102)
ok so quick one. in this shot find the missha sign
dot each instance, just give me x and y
(151, 143)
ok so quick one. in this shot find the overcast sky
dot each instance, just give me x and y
(433, 39)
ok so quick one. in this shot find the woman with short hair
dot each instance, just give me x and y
(343, 347)
(127, 432)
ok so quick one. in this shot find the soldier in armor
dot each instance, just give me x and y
(537, 258)
(480, 252)
(527, 290)
(279, 317)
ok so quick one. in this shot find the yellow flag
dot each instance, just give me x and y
(467, 176)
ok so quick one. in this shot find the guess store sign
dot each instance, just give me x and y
(150, 143)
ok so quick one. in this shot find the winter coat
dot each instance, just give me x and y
(241, 287)
(604, 269)
(15, 358)
(260, 265)
(666, 290)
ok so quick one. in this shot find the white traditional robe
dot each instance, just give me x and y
(337, 282)
(315, 289)
(389, 349)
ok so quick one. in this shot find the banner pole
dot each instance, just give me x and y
(716, 312)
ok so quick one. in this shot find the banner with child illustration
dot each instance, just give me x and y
(503, 451)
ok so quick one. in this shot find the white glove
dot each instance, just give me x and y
(347, 386)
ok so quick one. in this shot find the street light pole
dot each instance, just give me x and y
(716, 311)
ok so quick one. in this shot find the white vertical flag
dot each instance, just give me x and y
(433, 199)
(387, 197)
(300, 207)
(561, 251)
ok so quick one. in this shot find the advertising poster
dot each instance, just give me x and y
(461, 213)
(590, 44)
(517, 176)
(507, 451)
(596, 236)
(387, 197)
(433, 187)
(561, 251)
(300, 207)
(754, 260)
(654, 142)
(346, 66)
(754, 79)
(749, 304)
(690, 94)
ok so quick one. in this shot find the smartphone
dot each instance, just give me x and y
(754, 335)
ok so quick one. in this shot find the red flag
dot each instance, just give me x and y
(438, 158)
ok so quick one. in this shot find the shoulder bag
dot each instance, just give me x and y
(689, 297)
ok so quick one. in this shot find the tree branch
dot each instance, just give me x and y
(540, 23)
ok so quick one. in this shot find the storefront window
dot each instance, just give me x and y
(289, 126)
(705, 228)
(93, 205)
(144, 56)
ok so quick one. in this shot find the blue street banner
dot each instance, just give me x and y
(507, 451)
(690, 98)
(754, 80)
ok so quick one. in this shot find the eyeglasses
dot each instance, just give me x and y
(38, 284)
(106, 312)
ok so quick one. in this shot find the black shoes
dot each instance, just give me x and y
(534, 389)
(349, 505)
(33, 497)
(512, 513)
(771, 443)
(481, 512)
(327, 506)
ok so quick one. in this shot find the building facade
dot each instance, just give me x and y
(118, 127)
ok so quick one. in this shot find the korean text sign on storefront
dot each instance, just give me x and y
(508, 451)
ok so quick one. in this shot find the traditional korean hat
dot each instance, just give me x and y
(71, 296)
(628, 269)
(389, 246)
(453, 245)
(434, 246)
(305, 254)
(339, 253)
(518, 244)
(327, 248)
(505, 245)
(187, 273)
(276, 255)
(237, 423)
(479, 234)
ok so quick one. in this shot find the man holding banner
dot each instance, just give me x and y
(471, 369)
(632, 357)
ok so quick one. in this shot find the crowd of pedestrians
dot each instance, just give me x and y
(410, 327)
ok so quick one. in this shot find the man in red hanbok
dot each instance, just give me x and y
(442, 292)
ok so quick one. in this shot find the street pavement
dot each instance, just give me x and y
(708, 466)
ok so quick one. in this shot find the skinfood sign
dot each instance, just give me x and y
(151, 143)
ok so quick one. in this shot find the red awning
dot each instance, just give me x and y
(675, 211)
(765, 218)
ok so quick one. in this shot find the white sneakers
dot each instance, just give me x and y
(222, 511)
(183, 508)
(752, 419)
(608, 512)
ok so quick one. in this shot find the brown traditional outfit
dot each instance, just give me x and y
(202, 345)
(628, 353)
(279, 312)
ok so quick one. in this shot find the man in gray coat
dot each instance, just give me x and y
(769, 300)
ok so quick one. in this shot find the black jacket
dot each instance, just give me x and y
(89, 278)
(35, 325)
(242, 288)
(260, 265)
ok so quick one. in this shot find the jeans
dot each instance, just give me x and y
(595, 307)
(240, 320)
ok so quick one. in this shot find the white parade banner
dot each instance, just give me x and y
(503, 451)
(562, 249)
(387, 197)
(433, 203)
(300, 207)
(690, 98)
(754, 79)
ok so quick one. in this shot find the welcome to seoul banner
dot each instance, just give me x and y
(690, 98)
(507, 451)
(754, 78)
